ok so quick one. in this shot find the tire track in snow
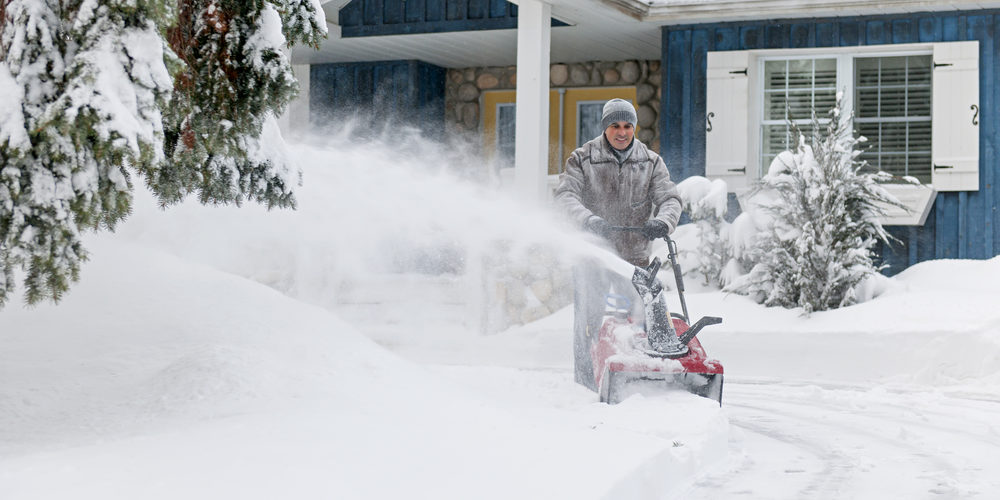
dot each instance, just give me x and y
(845, 462)
(955, 437)
(902, 447)
(805, 466)
(978, 414)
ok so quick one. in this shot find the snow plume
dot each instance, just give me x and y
(371, 208)
(822, 209)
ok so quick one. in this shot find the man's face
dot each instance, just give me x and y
(619, 134)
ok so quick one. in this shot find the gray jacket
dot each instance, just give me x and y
(593, 183)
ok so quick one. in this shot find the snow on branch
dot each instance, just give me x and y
(94, 94)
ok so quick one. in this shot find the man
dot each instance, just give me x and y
(613, 180)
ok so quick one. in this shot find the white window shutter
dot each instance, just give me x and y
(726, 124)
(955, 117)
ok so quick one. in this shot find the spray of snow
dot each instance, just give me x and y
(364, 208)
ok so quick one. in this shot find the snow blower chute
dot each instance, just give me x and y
(629, 357)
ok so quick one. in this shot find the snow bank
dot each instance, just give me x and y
(935, 324)
(161, 379)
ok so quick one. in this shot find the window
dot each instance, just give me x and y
(892, 107)
(917, 104)
(588, 123)
(505, 134)
(793, 88)
(893, 111)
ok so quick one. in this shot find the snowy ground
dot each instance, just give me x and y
(236, 353)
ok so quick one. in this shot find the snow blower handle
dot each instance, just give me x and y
(672, 255)
(678, 275)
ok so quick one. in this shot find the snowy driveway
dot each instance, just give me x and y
(789, 436)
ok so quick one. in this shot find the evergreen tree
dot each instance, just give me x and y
(38, 232)
(303, 21)
(94, 92)
(826, 212)
(233, 47)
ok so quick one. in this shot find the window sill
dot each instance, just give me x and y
(918, 198)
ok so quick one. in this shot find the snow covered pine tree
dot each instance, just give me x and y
(825, 221)
(92, 92)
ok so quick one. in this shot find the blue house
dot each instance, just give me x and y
(716, 84)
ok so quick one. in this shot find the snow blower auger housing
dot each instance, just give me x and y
(629, 359)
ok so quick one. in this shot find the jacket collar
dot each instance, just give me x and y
(600, 151)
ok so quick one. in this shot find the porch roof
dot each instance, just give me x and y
(598, 29)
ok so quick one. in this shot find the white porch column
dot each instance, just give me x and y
(531, 138)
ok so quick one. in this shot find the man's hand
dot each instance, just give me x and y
(598, 226)
(655, 228)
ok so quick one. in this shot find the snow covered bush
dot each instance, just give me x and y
(825, 206)
(213, 138)
(93, 92)
(705, 202)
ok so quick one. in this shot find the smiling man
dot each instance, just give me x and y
(613, 180)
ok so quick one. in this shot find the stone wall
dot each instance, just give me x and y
(521, 285)
(464, 88)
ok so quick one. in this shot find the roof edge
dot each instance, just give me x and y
(696, 11)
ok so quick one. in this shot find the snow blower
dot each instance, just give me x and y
(629, 357)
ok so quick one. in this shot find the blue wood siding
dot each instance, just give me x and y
(401, 17)
(377, 93)
(961, 225)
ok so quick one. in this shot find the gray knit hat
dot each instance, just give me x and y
(617, 110)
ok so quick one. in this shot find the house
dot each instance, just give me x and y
(716, 84)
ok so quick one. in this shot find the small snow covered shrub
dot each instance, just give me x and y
(824, 208)
(705, 201)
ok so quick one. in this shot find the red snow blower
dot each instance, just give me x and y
(629, 358)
